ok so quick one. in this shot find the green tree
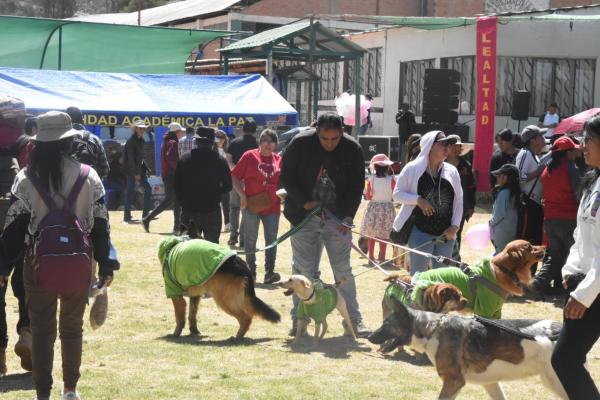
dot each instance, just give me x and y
(132, 5)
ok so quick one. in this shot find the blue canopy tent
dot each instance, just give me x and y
(119, 99)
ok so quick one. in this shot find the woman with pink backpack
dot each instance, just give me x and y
(56, 201)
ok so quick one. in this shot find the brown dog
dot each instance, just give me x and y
(439, 298)
(231, 286)
(492, 280)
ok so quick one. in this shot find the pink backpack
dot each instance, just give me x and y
(61, 249)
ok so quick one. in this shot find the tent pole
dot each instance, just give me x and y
(316, 85)
(226, 66)
(357, 75)
(269, 66)
(60, 48)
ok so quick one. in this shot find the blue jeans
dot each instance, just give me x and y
(270, 224)
(307, 246)
(417, 239)
(236, 228)
(129, 192)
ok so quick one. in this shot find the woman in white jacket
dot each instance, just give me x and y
(581, 278)
(432, 200)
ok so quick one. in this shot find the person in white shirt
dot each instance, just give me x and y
(530, 169)
(581, 278)
(549, 120)
(432, 201)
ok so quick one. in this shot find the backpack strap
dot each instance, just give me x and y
(48, 201)
(84, 171)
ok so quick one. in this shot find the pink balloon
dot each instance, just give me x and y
(478, 236)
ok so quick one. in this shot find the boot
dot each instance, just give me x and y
(23, 348)
(271, 276)
(2, 361)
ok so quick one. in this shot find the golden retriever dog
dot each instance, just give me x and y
(317, 300)
(439, 298)
(486, 285)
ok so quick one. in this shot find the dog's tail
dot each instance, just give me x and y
(262, 309)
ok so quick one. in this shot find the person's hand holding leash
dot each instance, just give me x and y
(425, 206)
(104, 280)
(310, 205)
(574, 309)
(345, 226)
(450, 233)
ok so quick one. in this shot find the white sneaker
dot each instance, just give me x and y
(227, 228)
(71, 396)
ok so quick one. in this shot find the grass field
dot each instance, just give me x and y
(133, 357)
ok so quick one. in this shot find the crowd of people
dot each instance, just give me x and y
(217, 186)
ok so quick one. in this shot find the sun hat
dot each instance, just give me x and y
(175, 127)
(139, 123)
(11, 107)
(381, 160)
(53, 126)
(564, 143)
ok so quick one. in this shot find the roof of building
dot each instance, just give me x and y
(176, 11)
(294, 41)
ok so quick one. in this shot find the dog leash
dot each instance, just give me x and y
(295, 229)
(332, 223)
(512, 331)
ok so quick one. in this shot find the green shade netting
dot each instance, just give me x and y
(34, 43)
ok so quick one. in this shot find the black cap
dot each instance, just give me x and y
(441, 137)
(205, 133)
(506, 169)
(249, 127)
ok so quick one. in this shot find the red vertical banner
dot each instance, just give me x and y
(486, 100)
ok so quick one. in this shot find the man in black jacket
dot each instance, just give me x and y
(325, 168)
(134, 168)
(201, 177)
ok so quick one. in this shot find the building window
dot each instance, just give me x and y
(412, 74)
(466, 67)
(371, 73)
(567, 82)
(329, 73)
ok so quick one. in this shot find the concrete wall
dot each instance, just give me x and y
(521, 39)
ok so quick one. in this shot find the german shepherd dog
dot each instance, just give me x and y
(232, 288)
(466, 350)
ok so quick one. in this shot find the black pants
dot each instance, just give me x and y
(207, 225)
(575, 341)
(170, 199)
(535, 223)
(18, 289)
(225, 207)
(560, 240)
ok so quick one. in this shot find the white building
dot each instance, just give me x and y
(556, 60)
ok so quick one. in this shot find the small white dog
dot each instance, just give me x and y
(317, 300)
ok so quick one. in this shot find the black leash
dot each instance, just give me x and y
(504, 328)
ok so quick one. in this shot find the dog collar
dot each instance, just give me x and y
(311, 296)
(513, 277)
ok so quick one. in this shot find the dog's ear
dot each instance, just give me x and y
(399, 308)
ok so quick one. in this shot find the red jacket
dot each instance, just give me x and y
(169, 155)
(560, 201)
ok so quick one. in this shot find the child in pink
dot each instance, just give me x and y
(380, 213)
